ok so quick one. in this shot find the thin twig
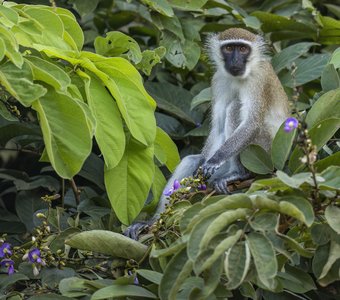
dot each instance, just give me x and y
(75, 190)
(20, 150)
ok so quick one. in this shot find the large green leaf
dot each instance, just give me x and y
(263, 255)
(306, 70)
(109, 131)
(236, 264)
(177, 270)
(335, 59)
(66, 132)
(122, 291)
(48, 72)
(332, 160)
(281, 147)
(330, 31)
(19, 83)
(125, 85)
(327, 106)
(257, 160)
(284, 27)
(296, 280)
(320, 134)
(109, 243)
(330, 78)
(73, 33)
(287, 56)
(332, 178)
(128, 184)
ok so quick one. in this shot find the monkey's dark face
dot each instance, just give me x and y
(235, 57)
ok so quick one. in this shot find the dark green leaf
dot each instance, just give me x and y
(257, 160)
(117, 291)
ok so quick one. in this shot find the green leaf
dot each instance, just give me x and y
(73, 33)
(335, 59)
(177, 270)
(150, 58)
(66, 149)
(332, 178)
(296, 246)
(320, 134)
(321, 233)
(284, 28)
(48, 72)
(332, 214)
(161, 6)
(302, 204)
(128, 184)
(118, 44)
(327, 106)
(236, 264)
(19, 83)
(330, 79)
(6, 281)
(2, 49)
(157, 188)
(169, 148)
(263, 255)
(306, 70)
(264, 221)
(188, 4)
(118, 291)
(109, 131)
(330, 31)
(108, 242)
(222, 204)
(203, 261)
(256, 160)
(296, 180)
(332, 160)
(287, 56)
(220, 222)
(11, 46)
(150, 275)
(281, 147)
(84, 7)
(203, 96)
(175, 247)
(333, 256)
(9, 16)
(296, 280)
(135, 105)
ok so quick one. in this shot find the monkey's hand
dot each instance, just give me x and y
(209, 168)
(134, 230)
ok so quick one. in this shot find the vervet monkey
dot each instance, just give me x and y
(248, 106)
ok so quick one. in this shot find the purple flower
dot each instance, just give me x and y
(176, 185)
(202, 187)
(34, 256)
(290, 124)
(9, 264)
(5, 249)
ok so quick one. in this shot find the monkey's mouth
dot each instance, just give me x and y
(236, 71)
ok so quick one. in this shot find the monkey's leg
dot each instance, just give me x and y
(187, 167)
(231, 171)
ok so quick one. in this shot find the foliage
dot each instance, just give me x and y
(82, 149)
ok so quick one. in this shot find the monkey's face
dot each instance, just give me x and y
(235, 56)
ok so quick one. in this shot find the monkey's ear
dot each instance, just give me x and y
(212, 47)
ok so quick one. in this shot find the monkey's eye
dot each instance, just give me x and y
(229, 48)
(243, 49)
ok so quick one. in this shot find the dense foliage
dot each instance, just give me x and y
(92, 91)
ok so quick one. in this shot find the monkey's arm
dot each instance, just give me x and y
(239, 140)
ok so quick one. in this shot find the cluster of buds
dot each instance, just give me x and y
(38, 254)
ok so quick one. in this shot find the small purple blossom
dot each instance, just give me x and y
(9, 264)
(34, 256)
(5, 248)
(291, 124)
(202, 187)
(176, 185)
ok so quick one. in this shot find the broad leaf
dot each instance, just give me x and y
(66, 132)
(332, 214)
(109, 243)
(263, 255)
(118, 291)
(330, 79)
(109, 131)
(257, 160)
(128, 184)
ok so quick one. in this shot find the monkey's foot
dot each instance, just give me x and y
(134, 230)
(222, 185)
